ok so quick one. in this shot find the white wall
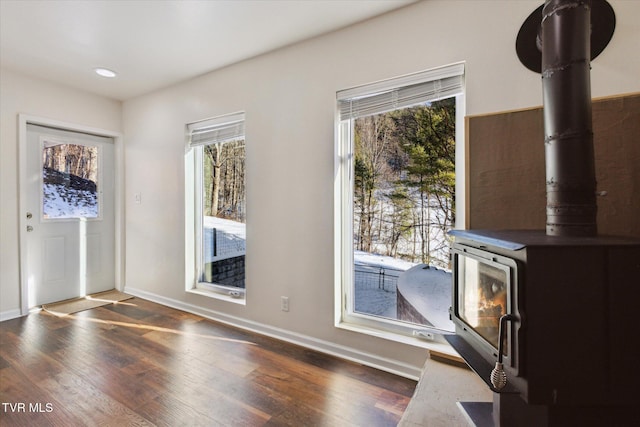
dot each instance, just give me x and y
(21, 94)
(289, 99)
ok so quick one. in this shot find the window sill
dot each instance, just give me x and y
(219, 294)
(437, 345)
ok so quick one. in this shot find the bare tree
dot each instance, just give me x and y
(412, 149)
(371, 144)
(225, 177)
(73, 159)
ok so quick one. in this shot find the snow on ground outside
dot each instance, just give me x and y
(60, 201)
(368, 299)
(365, 258)
(234, 228)
(409, 245)
(371, 299)
(230, 238)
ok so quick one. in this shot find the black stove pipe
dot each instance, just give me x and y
(565, 42)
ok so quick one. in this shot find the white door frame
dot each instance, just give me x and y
(23, 119)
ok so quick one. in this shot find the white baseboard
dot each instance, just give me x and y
(348, 353)
(10, 314)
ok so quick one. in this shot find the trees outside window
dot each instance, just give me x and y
(404, 182)
(217, 150)
(224, 174)
(397, 151)
(70, 185)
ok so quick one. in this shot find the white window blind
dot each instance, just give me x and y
(401, 92)
(218, 129)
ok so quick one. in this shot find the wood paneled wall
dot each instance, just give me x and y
(506, 170)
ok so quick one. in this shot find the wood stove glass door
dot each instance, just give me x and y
(482, 296)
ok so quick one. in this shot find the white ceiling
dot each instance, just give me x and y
(156, 43)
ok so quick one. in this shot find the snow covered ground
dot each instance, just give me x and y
(375, 275)
(60, 201)
(375, 278)
(229, 242)
(428, 290)
(365, 258)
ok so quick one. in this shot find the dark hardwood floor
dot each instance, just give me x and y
(138, 363)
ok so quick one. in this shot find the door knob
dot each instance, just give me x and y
(29, 215)
(29, 228)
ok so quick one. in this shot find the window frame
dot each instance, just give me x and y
(194, 190)
(345, 315)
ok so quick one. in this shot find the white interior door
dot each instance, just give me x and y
(70, 244)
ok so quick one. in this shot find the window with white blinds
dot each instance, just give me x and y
(218, 129)
(215, 170)
(400, 165)
(401, 92)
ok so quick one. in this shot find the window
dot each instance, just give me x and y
(397, 154)
(70, 184)
(216, 151)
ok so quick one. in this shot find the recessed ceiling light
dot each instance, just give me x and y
(104, 72)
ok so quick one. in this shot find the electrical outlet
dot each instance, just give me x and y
(284, 303)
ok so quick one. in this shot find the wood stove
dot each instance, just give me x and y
(565, 351)
(543, 317)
